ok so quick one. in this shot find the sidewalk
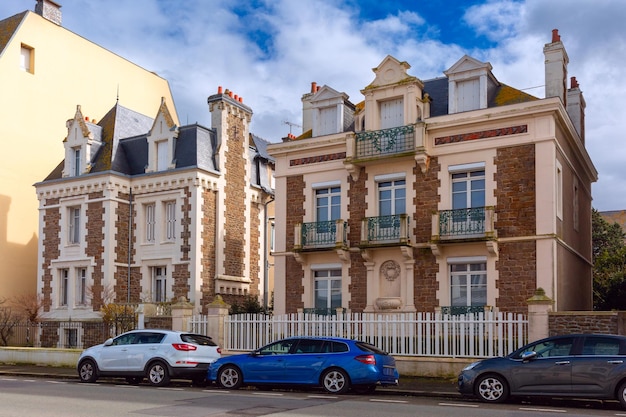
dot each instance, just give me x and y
(422, 386)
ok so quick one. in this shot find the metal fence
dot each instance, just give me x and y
(410, 334)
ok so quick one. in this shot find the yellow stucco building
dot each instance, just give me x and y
(45, 72)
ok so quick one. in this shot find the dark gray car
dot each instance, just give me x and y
(578, 365)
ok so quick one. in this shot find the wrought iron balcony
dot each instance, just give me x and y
(467, 223)
(383, 142)
(392, 229)
(320, 235)
(460, 310)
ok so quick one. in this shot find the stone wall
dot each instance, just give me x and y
(604, 322)
(293, 270)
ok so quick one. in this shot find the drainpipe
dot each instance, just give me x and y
(130, 242)
(266, 265)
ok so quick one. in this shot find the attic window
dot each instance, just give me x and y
(27, 59)
(468, 93)
(162, 155)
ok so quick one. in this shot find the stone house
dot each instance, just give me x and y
(458, 193)
(45, 70)
(144, 210)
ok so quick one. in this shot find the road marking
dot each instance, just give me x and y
(57, 382)
(268, 394)
(458, 405)
(543, 410)
(9, 379)
(170, 389)
(212, 391)
(322, 396)
(125, 386)
(388, 401)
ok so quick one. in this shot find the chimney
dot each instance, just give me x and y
(576, 108)
(556, 61)
(50, 10)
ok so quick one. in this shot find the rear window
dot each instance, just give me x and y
(198, 339)
(366, 347)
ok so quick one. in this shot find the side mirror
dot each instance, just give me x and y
(527, 356)
(108, 342)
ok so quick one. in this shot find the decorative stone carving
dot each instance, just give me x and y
(390, 270)
(388, 303)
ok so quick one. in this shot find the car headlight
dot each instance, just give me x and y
(471, 366)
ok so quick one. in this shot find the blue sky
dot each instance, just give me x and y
(269, 52)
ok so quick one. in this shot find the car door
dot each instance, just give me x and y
(598, 367)
(114, 357)
(144, 346)
(267, 364)
(549, 372)
(306, 361)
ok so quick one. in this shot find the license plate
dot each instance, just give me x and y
(389, 371)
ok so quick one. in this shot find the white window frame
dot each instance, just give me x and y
(150, 217)
(394, 186)
(74, 221)
(81, 286)
(468, 273)
(332, 277)
(76, 159)
(170, 220)
(64, 287)
(160, 282)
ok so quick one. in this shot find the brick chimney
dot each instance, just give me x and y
(49, 9)
(556, 68)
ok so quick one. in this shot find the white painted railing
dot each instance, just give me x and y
(411, 334)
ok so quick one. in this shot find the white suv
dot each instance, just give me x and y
(154, 354)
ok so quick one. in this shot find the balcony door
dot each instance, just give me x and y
(468, 202)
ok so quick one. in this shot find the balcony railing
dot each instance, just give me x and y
(385, 229)
(476, 222)
(390, 141)
(326, 234)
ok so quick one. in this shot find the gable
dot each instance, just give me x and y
(8, 27)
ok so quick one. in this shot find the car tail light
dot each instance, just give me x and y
(184, 346)
(366, 359)
(219, 350)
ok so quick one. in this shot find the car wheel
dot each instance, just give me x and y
(87, 371)
(621, 395)
(134, 380)
(157, 374)
(336, 381)
(492, 389)
(229, 377)
(364, 389)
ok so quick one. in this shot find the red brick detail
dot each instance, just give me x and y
(317, 158)
(517, 270)
(51, 248)
(209, 226)
(293, 270)
(235, 197)
(515, 191)
(357, 206)
(425, 281)
(94, 249)
(256, 248)
(121, 274)
(464, 137)
(426, 200)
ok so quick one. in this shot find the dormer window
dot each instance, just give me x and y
(162, 155)
(327, 121)
(470, 84)
(162, 142)
(391, 113)
(468, 95)
(327, 112)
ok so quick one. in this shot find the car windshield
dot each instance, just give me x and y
(198, 339)
(370, 348)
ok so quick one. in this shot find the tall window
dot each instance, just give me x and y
(150, 222)
(159, 279)
(468, 284)
(64, 287)
(162, 155)
(328, 289)
(392, 197)
(328, 204)
(27, 61)
(81, 286)
(74, 225)
(170, 220)
(76, 161)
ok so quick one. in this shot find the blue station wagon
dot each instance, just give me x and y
(335, 364)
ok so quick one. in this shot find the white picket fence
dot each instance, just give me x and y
(410, 334)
